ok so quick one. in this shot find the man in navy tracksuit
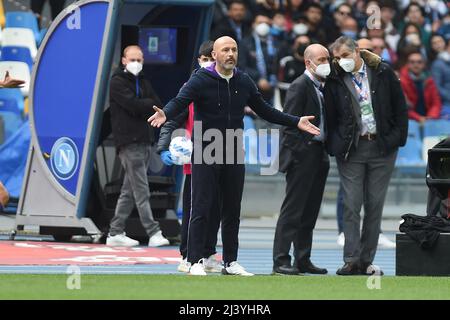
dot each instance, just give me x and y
(220, 94)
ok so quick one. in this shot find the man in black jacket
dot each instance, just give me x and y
(367, 122)
(220, 94)
(131, 103)
(305, 161)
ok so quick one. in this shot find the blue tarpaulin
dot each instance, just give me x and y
(13, 159)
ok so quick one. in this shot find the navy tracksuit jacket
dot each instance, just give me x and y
(219, 104)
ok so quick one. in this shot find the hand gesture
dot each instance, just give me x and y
(158, 118)
(9, 82)
(307, 126)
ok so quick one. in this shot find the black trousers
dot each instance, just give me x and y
(208, 180)
(56, 6)
(212, 229)
(305, 183)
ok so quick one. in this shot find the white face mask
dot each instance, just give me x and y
(322, 70)
(300, 29)
(206, 64)
(347, 64)
(445, 55)
(413, 38)
(134, 67)
(262, 29)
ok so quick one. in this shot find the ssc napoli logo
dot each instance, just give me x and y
(64, 158)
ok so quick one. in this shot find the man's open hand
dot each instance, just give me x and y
(158, 118)
(9, 82)
(307, 126)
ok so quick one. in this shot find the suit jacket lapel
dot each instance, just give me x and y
(355, 102)
(313, 90)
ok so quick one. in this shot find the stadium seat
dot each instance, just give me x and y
(433, 132)
(11, 115)
(22, 19)
(409, 159)
(17, 54)
(411, 153)
(20, 37)
(414, 129)
(18, 70)
(13, 94)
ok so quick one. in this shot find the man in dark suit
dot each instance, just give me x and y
(304, 159)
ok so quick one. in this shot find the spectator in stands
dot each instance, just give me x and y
(267, 7)
(349, 28)
(314, 19)
(296, 66)
(292, 11)
(437, 45)
(306, 164)
(422, 95)
(131, 102)
(444, 29)
(234, 25)
(415, 13)
(360, 11)
(410, 41)
(56, 6)
(342, 12)
(278, 29)
(259, 56)
(365, 144)
(4, 196)
(381, 49)
(440, 71)
(9, 82)
(391, 34)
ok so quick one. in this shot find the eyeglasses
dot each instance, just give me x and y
(415, 61)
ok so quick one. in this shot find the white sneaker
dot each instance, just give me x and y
(384, 242)
(236, 269)
(341, 239)
(121, 240)
(213, 265)
(157, 240)
(184, 266)
(197, 269)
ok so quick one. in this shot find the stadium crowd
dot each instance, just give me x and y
(412, 36)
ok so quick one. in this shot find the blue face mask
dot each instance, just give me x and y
(350, 34)
(276, 31)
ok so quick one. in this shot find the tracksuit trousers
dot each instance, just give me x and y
(208, 180)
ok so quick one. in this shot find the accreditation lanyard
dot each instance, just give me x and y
(360, 88)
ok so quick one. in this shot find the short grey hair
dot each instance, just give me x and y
(344, 41)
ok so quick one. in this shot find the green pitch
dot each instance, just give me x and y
(168, 287)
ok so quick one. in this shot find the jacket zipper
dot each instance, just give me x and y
(229, 104)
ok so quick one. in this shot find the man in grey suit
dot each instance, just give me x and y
(367, 122)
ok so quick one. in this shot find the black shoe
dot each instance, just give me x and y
(309, 267)
(349, 269)
(369, 269)
(286, 270)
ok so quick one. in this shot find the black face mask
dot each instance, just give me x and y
(301, 49)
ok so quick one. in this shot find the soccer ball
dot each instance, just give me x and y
(181, 150)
